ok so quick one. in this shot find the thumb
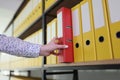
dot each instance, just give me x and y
(62, 46)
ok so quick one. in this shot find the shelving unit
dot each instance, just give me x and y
(47, 16)
(109, 64)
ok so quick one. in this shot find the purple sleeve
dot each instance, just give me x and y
(18, 47)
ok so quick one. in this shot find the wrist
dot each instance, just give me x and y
(43, 51)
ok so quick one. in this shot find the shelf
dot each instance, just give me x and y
(51, 13)
(27, 69)
(94, 65)
(23, 69)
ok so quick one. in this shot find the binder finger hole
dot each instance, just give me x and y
(101, 39)
(77, 45)
(118, 34)
(88, 42)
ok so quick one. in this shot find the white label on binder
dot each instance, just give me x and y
(60, 26)
(53, 29)
(40, 37)
(48, 34)
(114, 8)
(75, 22)
(98, 13)
(85, 17)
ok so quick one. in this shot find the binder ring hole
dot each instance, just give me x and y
(88, 42)
(77, 45)
(118, 34)
(101, 39)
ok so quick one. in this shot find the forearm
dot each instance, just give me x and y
(18, 47)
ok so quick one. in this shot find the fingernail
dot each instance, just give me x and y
(66, 46)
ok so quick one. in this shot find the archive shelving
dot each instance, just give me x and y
(41, 23)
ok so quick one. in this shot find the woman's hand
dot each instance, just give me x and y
(50, 47)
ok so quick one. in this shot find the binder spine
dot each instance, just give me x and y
(66, 55)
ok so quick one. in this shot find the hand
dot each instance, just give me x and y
(50, 47)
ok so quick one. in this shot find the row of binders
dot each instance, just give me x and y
(30, 14)
(96, 32)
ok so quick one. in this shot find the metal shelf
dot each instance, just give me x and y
(93, 65)
(23, 69)
(27, 69)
